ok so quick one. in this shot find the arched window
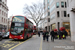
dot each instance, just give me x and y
(2, 19)
(6, 20)
(2, 12)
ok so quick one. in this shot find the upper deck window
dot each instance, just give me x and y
(18, 19)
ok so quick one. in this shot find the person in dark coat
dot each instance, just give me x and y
(64, 33)
(52, 35)
(55, 32)
(39, 33)
(60, 34)
(44, 35)
(47, 35)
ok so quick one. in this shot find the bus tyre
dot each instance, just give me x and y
(27, 37)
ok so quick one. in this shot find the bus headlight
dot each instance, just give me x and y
(10, 37)
(21, 37)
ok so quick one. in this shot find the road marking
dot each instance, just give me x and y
(18, 44)
(6, 45)
(41, 44)
(12, 42)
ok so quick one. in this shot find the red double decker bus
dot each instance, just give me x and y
(21, 28)
(34, 30)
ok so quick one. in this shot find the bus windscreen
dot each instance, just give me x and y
(17, 30)
(17, 25)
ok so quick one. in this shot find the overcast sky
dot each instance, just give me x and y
(16, 6)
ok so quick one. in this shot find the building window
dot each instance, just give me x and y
(57, 5)
(48, 1)
(48, 7)
(64, 13)
(65, 5)
(68, 15)
(2, 12)
(48, 19)
(6, 20)
(2, 19)
(7, 15)
(57, 13)
(67, 27)
(62, 4)
(48, 13)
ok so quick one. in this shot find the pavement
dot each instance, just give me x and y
(37, 43)
(63, 44)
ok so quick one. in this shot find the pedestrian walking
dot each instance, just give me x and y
(39, 33)
(52, 35)
(60, 34)
(64, 34)
(45, 35)
(55, 32)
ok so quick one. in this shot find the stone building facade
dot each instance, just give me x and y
(3, 15)
(56, 15)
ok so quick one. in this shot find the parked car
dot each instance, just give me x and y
(6, 35)
(1, 36)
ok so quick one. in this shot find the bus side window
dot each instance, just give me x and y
(27, 21)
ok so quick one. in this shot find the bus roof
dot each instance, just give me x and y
(19, 15)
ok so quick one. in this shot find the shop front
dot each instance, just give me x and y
(53, 26)
(67, 27)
